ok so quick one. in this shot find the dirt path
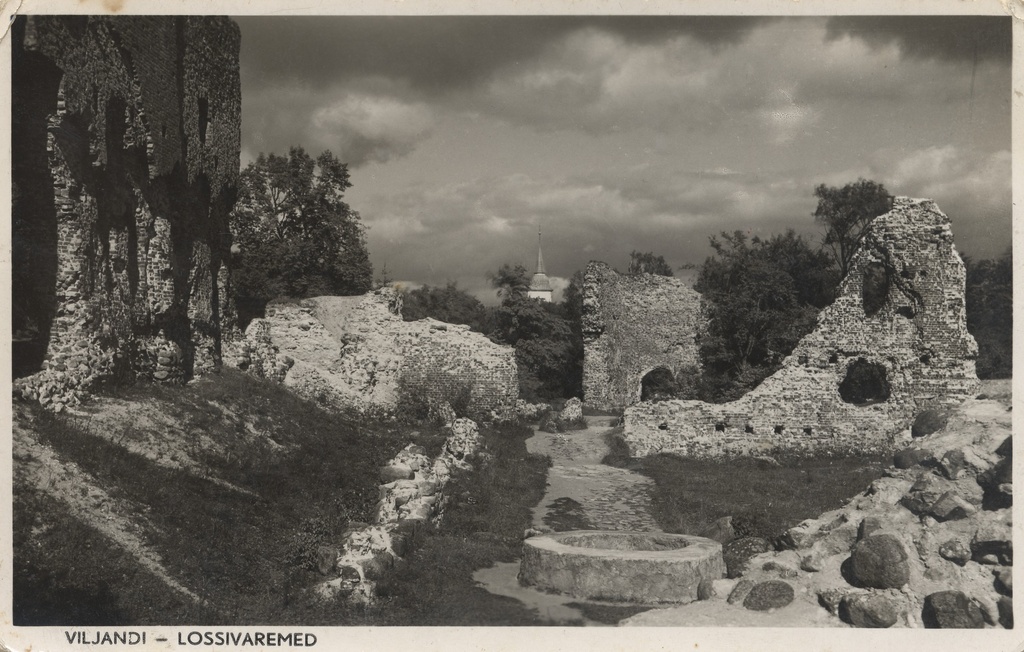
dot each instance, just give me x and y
(582, 493)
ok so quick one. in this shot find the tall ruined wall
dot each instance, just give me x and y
(633, 324)
(900, 311)
(125, 164)
(357, 352)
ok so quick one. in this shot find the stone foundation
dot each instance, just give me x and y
(899, 314)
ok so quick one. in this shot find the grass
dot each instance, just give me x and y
(248, 555)
(764, 499)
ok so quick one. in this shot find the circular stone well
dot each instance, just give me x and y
(645, 567)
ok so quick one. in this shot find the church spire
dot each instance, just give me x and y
(540, 255)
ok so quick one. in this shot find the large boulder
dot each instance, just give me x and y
(880, 561)
(737, 554)
(951, 610)
(868, 610)
(929, 421)
(773, 594)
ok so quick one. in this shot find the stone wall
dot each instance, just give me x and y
(357, 352)
(900, 310)
(633, 324)
(125, 163)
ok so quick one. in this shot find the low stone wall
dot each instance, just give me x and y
(900, 313)
(358, 353)
(412, 496)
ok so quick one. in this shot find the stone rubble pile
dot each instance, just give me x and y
(927, 545)
(411, 498)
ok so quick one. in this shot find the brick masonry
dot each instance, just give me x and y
(918, 334)
(633, 324)
(126, 157)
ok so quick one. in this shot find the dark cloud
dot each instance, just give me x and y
(436, 53)
(948, 38)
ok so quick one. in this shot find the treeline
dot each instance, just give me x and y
(761, 295)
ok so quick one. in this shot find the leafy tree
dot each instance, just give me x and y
(990, 313)
(449, 304)
(296, 236)
(648, 263)
(845, 213)
(510, 281)
(548, 354)
(759, 303)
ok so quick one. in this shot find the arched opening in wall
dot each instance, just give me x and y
(865, 383)
(658, 384)
(874, 288)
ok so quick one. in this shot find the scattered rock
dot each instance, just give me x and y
(1005, 606)
(783, 570)
(994, 483)
(955, 551)
(738, 552)
(572, 412)
(951, 507)
(924, 492)
(929, 421)
(951, 610)
(773, 594)
(1004, 581)
(812, 562)
(831, 599)
(993, 543)
(740, 591)
(868, 526)
(953, 464)
(720, 531)
(706, 589)
(393, 472)
(868, 610)
(880, 561)
(910, 457)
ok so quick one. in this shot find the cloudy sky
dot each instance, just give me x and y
(622, 133)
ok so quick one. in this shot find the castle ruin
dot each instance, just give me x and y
(125, 152)
(893, 343)
(634, 325)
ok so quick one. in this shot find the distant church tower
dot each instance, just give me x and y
(540, 286)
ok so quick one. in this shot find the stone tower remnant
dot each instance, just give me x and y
(893, 343)
(634, 325)
(126, 140)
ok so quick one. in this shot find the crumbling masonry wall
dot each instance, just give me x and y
(358, 353)
(633, 324)
(900, 309)
(126, 140)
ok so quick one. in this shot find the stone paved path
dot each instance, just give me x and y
(582, 493)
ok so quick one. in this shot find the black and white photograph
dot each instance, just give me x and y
(387, 324)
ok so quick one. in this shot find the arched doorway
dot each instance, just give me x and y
(658, 384)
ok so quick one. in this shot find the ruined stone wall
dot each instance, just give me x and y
(358, 353)
(633, 324)
(909, 275)
(126, 149)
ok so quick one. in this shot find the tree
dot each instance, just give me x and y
(648, 263)
(296, 236)
(989, 297)
(845, 213)
(449, 304)
(758, 304)
(510, 281)
(543, 338)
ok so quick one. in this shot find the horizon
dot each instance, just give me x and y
(461, 133)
